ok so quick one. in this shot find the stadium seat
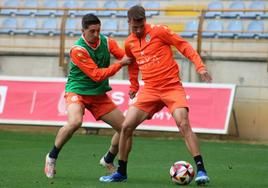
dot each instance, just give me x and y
(128, 4)
(214, 5)
(264, 15)
(48, 4)
(109, 27)
(28, 12)
(71, 27)
(70, 4)
(109, 4)
(234, 29)
(264, 35)
(235, 14)
(10, 12)
(8, 26)
(88, 4)
(29, 27)
(151, 4)
(49, 27)
(123, 30)
(214, 29)
(190, 30)
(255, 30)
(255, 5)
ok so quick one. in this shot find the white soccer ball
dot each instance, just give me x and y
(182, 172)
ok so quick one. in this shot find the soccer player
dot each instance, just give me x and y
(86, 89)
(150, 47)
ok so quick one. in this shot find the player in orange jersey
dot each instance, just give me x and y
(86, 88)
(150, 46)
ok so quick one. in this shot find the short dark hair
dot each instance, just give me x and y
(90, 19)
(136, 12)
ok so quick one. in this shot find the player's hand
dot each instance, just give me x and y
(125, 61)
(205, 76)
(132, 94)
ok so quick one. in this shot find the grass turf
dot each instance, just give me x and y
(229, 164)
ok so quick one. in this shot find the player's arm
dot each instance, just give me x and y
(133, 72)
(183, 47)
(117, 52)
(81, 58)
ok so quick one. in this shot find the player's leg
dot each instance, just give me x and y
(75, 113)
(114, 118)
(107, 160)
(103, 108)
(133, 118)
(181, 117)
(175, 99)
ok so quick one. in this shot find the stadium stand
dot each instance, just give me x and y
(48, 4)
(152, 5)
(190, 29)
(214, 29)
(70, 4)
(235, 14)
(10, 12)
(234, 5)
(28, 12)
(255, 5)
(109, 4)
(29, 27)
(214, 5)
(128, 4)
(122, 30)
(255, 30)
(88, 4)
(110, 27)
(234, 29)
(184, 22)
(71, 27)
(265, 15)
(8, 26)
(49, 27)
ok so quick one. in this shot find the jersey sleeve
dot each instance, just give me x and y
(133, 69)
(182, 46)
(117, 52)
(81, 58)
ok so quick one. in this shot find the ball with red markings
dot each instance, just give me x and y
(182, 172)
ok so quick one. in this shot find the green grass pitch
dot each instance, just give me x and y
(229, 164)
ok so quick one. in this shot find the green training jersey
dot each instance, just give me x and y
(78, 82)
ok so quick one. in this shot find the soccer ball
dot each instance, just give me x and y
(182, 172)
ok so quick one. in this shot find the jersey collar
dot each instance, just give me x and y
(93, 46)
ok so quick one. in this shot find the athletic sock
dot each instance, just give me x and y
(109, 158)
(122, 167)
(199, 163)
(54, 152)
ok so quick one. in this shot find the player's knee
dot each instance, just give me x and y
(127, 130)
(117, 129)
(184, 125)
(184, 128)
(75, 124)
